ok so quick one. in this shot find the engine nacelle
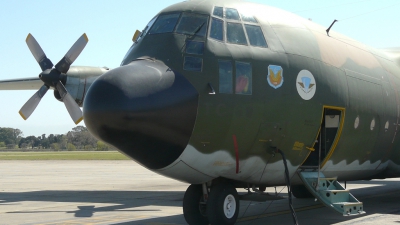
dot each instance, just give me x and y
(78, 80)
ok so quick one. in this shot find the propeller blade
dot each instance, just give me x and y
(32, 103)
(72, 54)
(73, 109)
(38, 53)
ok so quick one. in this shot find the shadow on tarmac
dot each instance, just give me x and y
(382, 199)
(122, 200)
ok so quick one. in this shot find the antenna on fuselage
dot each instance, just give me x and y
(327, 30)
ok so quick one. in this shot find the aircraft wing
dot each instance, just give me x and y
(31, 83)
(392, 50)
(393, 53)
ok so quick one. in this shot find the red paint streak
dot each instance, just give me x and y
(236, 152)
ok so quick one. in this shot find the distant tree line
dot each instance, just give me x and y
(78, 138)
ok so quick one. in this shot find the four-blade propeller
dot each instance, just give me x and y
(52, 77)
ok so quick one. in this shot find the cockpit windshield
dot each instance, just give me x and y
(192, 24)
(178, 22)
(182, 23)
(165, 23)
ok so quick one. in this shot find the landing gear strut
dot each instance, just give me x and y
(222, 206)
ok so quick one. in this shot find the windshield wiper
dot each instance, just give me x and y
(198, 29)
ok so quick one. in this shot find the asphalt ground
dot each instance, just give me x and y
(123, 192)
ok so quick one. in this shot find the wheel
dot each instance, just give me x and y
(223, 205)
(300, 191)
(193, 210)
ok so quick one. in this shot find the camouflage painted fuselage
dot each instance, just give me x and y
(234, 134)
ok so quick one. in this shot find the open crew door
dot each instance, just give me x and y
(327, 138)
(328, 190)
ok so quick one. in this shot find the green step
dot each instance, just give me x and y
(331, 193)
(350, 208)
(336, 195)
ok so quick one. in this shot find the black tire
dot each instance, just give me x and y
(216, 205)
(193, 211)
(300, 191)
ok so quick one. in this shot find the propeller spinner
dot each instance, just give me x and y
(52, 77)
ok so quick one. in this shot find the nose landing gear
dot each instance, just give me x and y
(221, 207)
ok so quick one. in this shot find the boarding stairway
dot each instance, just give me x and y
(331, 193)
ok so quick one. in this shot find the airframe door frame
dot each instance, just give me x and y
(336, 139)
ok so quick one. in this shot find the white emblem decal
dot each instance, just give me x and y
(306, 85)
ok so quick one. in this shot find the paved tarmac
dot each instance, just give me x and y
(123, 192)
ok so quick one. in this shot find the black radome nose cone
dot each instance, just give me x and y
(145, 110)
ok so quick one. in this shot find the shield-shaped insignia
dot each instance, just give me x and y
(275, 76)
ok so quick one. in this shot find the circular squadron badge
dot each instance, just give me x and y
(306, 85)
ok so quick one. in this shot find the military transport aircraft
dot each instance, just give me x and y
(229, 94)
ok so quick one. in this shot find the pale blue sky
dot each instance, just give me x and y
(110, 25)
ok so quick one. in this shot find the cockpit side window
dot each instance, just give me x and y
(256, 36)
(193, 24)
(231, 14)
(218, 11)
(225, 77)
(235, 34)
(217, 29)
(195, 47)
(243, 78)
(144, 32)
(147, 28)
(165, 23)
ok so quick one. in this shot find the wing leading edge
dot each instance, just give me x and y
(32, 83)
(394, 53)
